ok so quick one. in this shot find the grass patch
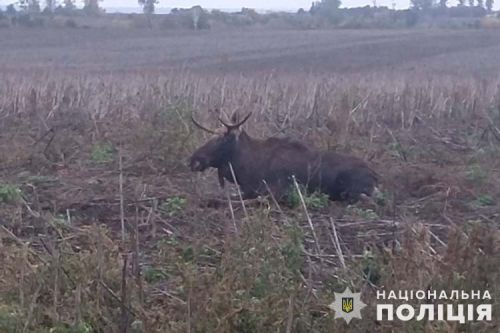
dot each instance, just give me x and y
(10, 193)
(366, 214)
(173, 206)
(152, 274)
(314, 200)
(484, 201)
(102, 153)
(476, 174)
(10, 319)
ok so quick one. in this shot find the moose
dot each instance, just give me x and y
(261, 167)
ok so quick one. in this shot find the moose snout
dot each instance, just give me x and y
(197, 164)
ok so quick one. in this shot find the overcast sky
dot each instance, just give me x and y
(258, 4)
(265, 4)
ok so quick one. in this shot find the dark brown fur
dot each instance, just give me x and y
(275, 161)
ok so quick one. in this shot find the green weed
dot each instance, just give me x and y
(173, 206)
(59, 221)
(314, 200)
(397, 150)
(79, 328)
(152, 274)
(10, 193)
(9, 319)
(382, 198)
(476, 174)
(371, 267)
(483, 201)
(102, 153)
(367, 214)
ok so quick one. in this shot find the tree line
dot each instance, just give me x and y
(322, 7)
(321, 14)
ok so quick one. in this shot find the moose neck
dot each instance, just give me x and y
(237, 148)
(237, 158)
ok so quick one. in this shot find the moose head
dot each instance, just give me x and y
(218, 151)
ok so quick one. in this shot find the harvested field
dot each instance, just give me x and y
(441, 52)
(104, 229)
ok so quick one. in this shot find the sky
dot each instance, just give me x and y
(257, 4)
(269, 4)
(264, 4)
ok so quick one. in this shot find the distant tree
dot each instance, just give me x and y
(50, 5)
(411, 17)
(489, 5)
(443, 3)
(11, 9)
(326, 8)
(423, 5)
(34, 6)
(91, 7)
(480, 3)
(461, 3)
(196, 13)
(30, 6)
(471, 3)
(148, 6)
(69, 5)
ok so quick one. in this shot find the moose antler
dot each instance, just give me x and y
(233, 126)
(202, 127)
